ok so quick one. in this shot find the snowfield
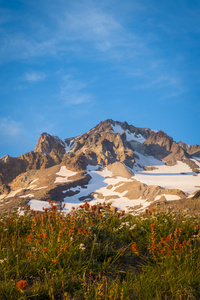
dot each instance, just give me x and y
(179, 176)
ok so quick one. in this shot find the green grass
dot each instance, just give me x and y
(93, 253)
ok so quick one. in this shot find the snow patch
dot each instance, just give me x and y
(168, 197)
(179, 176)
(134, 137)
(145, 161)
(129, 136)
(65, 173)
(27, 196)
(38, 205)
(40, 188)
(2, 196)
(13, 193)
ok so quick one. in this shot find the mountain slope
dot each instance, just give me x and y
(114, 161)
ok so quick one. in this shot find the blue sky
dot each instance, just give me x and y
(67, 65)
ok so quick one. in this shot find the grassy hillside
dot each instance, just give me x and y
(95, 253)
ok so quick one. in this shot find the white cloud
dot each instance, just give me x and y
(34, 76)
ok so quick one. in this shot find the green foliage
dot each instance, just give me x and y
(93, 253)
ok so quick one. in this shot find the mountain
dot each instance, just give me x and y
(129, 166)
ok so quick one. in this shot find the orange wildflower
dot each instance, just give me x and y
(153, 227)
(184, 243)
(134, 248)
(44, 250)
(85, 231)
(40, 235)
(66, 247)
(27, 254)
(22, 284)
(162, 252)
(55, 261)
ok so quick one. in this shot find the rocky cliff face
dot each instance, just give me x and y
(52, 146)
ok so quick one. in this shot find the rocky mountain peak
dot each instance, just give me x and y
(52, 146)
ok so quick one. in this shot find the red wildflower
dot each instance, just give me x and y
(40, 235)
(66, 247)
(53, 228)
(85, 231)
(55, 261)
(134, 248)
(22, 284)
(27, 254)
(53, 207)
(153, 227)
(29, 238)
(162, 252)
(70, 231)
(184, 243)
(58, 252)
(44, 250)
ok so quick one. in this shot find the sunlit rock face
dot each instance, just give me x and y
(129, 166)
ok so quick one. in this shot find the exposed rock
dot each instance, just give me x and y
(51, 145)
(136, 189)
(119, 169)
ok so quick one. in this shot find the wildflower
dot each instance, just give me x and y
(53, 207)
(44, 250)
(58, 252)
(30, 237)
(40, 235)
(45, 236)
(2, 260)
(27, 254)
(66, 247)
(82, 246)
(134, 248)
(53, 228)
(184, 243)
(22, 284)
(80, 230)
(85, 231)
(180, 231)
(55, 261)
(153, 227)
(70, 231)
(162, 252)
(71, 238)
(196, 227)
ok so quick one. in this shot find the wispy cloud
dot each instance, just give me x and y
(72, 91)
(34, 76)
(9, 127)
(11, 132)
